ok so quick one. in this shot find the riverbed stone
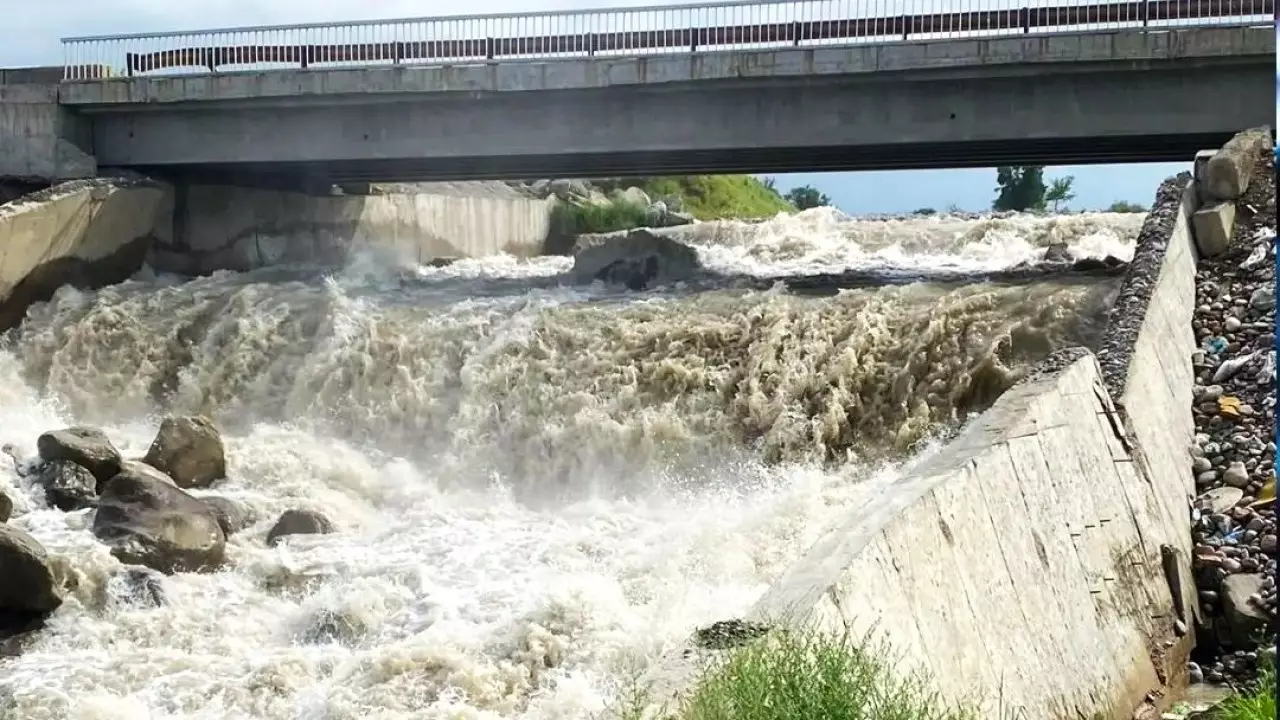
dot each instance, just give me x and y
(188, 449)
(67, 486)
(299, 522)
(30, 588)
(146, 521)
(87, 447)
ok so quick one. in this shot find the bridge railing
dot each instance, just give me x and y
(627, 32)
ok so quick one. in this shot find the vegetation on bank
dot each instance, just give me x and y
(801, 674)
(568, 219)
(716, 197)
(1256, 703)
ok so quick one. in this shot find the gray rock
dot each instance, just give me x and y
(87, 447)
(189, 450)
(1219, 500)
(1213, 227)
(1226, 175)
(1244, 619)
(232, 516)
(1057, 253)
(31, 587)
(1236, 475)
(1264, 298)
(146, 521)
(634, 196)
(638, 259)
(67, 486)
(299, 522)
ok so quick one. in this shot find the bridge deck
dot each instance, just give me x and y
(592, 33)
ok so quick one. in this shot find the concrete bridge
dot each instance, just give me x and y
(735, 87)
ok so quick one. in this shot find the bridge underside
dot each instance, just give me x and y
(1080, 114)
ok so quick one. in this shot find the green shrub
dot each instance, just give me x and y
(711, 197)
(1122, 206)
(790, 675)
(568, 219)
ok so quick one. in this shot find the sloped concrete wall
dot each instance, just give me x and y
(242, 228)
(1016, 566)
(1038, 566)
(87, 233)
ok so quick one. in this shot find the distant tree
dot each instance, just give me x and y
(1122, 206)
(805, 197)
(1020, 187)
(771, 183)
(925, 211)
(1059, 192)
(954, 209)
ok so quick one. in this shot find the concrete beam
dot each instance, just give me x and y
(956, 59)
(1121, 112)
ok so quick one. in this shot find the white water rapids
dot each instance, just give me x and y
(538, 488)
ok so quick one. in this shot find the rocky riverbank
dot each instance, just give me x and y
(1234, 519)
(143, 510)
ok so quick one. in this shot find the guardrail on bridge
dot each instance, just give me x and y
(626, 32)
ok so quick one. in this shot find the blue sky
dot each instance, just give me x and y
(1096, 187)
(31, 38)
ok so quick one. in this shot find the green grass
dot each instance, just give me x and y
(1256, 703)
(802, 675)
(570, 219)
(713, 197)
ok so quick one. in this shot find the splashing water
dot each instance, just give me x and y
(538, 488)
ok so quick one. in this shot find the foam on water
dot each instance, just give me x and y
(538, 489)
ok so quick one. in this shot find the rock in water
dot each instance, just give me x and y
(87, 447)
(67, 485)
(232, 516)
(1058, 254)
(30, 588)
(638, 260)
(6, 508)
(138, 586)
(146, 521)
(189, 450)
(299, 522)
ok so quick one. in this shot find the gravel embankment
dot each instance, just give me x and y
(1234, 407)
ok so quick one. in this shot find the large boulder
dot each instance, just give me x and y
(233, 516)
(6, 507)
(189, 450)
(1226, 174)
(639, 259)
(87, 447)
(299, 522)
(67, 485)
(147, 521)
(30, 588)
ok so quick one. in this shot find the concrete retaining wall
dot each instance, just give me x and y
(241, 229)
(86, 233)
(1038, 566)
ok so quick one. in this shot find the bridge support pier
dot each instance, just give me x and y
(41, 141)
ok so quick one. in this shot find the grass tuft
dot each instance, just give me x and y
(790, 675)
(569, 219)
(1256, 703)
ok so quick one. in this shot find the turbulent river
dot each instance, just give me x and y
(538, 487)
